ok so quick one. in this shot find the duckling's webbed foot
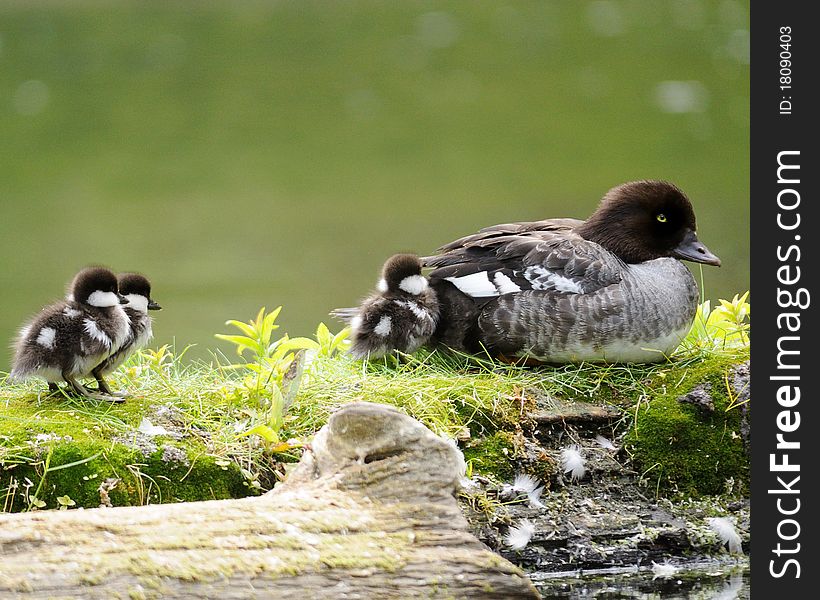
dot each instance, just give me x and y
(81, 390)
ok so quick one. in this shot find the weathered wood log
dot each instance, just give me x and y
(368, 513)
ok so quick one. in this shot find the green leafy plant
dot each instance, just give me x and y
(329, 343)
(274, 372)
(724, 327)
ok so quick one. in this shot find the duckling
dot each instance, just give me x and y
(66, 340)
(401, 315)
(136, 289)
(611, 288)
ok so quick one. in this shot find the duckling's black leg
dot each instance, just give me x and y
(103, 386)
(82, 391)
(53, 388)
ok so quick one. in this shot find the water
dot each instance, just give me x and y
(703, 581)
(254, 154)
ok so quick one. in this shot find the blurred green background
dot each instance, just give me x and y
(244, 154)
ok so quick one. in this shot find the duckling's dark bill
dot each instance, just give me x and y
(692, 249)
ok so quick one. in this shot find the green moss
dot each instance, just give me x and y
(492, 455)
(683, 448)
(55, 447)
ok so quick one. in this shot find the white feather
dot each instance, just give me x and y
(477, 285)
(727, 533)
(605, 443)
(534, 497)
(518, 537)
(414, 284)
(150, 429)
(46, 338)
(504, 284)
(355, 322)
(71, 312)
(525, 484)
(544, 279)
(95, 333)
(572, 461)
(663, 570)
(382, 285)
(418, 312)
(382, 328)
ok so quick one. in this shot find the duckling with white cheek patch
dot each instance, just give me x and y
(401, 315)
(136, 289)
(69, 338)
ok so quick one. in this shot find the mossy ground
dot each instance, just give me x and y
(685, 447)
(57, 451)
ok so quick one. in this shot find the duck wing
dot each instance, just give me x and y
(510, 258)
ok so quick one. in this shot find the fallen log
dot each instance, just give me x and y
(368, 513)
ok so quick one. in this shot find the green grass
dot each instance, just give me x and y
(55, 446)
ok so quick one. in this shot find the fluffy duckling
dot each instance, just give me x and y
(611, 288)
(401, 315)
(136, 289)
(68, 339)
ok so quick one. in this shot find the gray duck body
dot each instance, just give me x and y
(611, 288)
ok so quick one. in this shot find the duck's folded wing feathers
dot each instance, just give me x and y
(500, 261)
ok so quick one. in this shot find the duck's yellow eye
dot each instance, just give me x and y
(661, 218)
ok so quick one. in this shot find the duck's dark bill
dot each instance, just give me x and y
(691, 249)
(153, 305)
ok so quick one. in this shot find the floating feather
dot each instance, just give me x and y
(519, 536)
(727, 533)
(573, 462)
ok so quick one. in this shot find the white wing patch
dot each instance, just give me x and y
(544, 279)
(504, 284)
(95, 333)
(71, 313)
(46, 338)
(383, 327)
(477, 285)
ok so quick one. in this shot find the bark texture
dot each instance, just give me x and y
(369, 513)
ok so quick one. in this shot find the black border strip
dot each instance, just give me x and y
(783, 275)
